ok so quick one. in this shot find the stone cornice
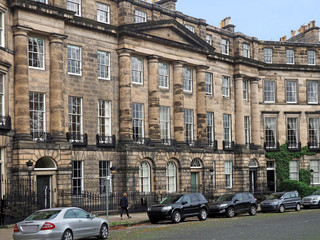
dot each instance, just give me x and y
(5, 64)
(270, 112)
(314, 112)
(292, 112)
(91, 24)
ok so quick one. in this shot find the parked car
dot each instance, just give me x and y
(178, 207)
(280, 201)
(61, 224)
(312, 200)
(232, 204)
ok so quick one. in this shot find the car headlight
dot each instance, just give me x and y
(274, 203)
(313, 199)
(149, 209)
(167, 208)
(223, 205)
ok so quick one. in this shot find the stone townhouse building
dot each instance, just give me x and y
(173, 103)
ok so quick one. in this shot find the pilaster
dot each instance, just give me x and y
(201, 104)
(255, 113)
(239, 121)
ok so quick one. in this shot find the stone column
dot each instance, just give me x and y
(255, 113)
(201, 104)
(57, 77)
(125, 80)
(178, 102)
(154, 98)
(239, 121)
(21, 83)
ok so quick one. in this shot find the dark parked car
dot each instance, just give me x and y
(232, 204)
(280, 201)
(178, 207)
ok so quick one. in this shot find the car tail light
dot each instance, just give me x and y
(15, 228)
(48, 226)
(255, 199)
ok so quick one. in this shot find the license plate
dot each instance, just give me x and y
(29, 228)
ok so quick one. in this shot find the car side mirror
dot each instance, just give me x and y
(184, 203)
(91, 216)
(236, 200)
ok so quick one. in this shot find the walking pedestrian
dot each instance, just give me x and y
(124, 205)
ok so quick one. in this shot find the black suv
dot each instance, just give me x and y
(178, 207)
(232, 204)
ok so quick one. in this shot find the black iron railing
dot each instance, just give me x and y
(169, 142)
(228, 146)
(294, 146)
(142, 141)
(77, 139)
(271, 146)
(314, 146)
(41, 137)
(5, 123)
(105, 141)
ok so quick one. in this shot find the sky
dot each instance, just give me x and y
(264, 19)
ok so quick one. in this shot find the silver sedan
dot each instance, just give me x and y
(61, 223)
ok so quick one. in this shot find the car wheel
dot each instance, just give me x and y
(230, 212)
(154, 220)
(281, 209)
(203, 214)
(176, 217)
(298, 207)
(67, 235)
(252, 210)
(104, 232)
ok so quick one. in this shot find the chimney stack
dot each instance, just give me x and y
(226, 24)
(283, 39)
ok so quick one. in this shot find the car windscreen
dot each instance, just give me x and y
(43, 215)
(316, 192)
(171, 199)
(275, 196)
(225, 198)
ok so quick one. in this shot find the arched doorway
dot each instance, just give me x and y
(196, 166)
(253, 166)
(45, 171)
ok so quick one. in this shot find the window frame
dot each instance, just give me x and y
(292, 132)
(313, 133)
(272, 93)
(104, 171)
(138, 121)
(79, 179)
(246, 50)
(103, 11)
(102, 65)
(315, 92)
(34, 114)
(144, 180)
(247, 130)
(137, 73)
(2, 29)
(171, 177)
(139, 16)
(314, 165)
(33, 56)
(294, 170)
(227, 128)
(77, 61)
(72, 4)
(228, 174)
(104, 121)
(190, 28)
(245, 90)
(2, 95)
(290, 56)
(292, 95)
(78, 116)
(189, 124)
(225, 46)
(209, 39)
(226, 89)
(165, 123)
(311, 59)
(210, 127)
(273, 128)
(267, 54)
(164, 75)
(209, 83)
(187, 82)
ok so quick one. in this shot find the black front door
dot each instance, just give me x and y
(252, 178)
(43, 191)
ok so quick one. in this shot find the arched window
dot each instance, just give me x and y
(144, 177)
(196, 163)
(171, 177)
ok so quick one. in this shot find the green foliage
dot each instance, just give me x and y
(305, 176)
(283, 157)
(302, 188)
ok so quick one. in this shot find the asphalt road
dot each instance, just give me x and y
(290, 225)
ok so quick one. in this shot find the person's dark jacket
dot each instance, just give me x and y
(124, 202)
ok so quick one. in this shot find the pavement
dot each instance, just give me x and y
(114, 221)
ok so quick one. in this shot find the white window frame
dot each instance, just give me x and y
(187, 76)
(36, 51)
(271, 126)
(104, 118)
(290, 56)
(37, 127)
(315, 166)
(209, 83)
(291, 91)
(313, 92)
(313, 132)
(188, 124)
(225, 87)
(225, 45)
(2, 97)
(311, 57)
(139, 16)
(292, 132)
(210, 127)
(227, 128)
(42, 1)
(228, 173)
(103, 13)
(103, 59)
(294, 170)
(104, 171)
(75, 113)
(164, 75)
(165, 123)
(138, 121)
(267, 53)
(171, 177)
(246, 50)
(74, 5)
(190, 27)
(145, 177)
(245, 90)
(137, 70)
(2, 29)
(247, 130)
(78, 177)
(209, 39)
(269, 91)
(74, 60)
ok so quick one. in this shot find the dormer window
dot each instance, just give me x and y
(209, 39)
(189, 27)
(74, 5)
(225, 46)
